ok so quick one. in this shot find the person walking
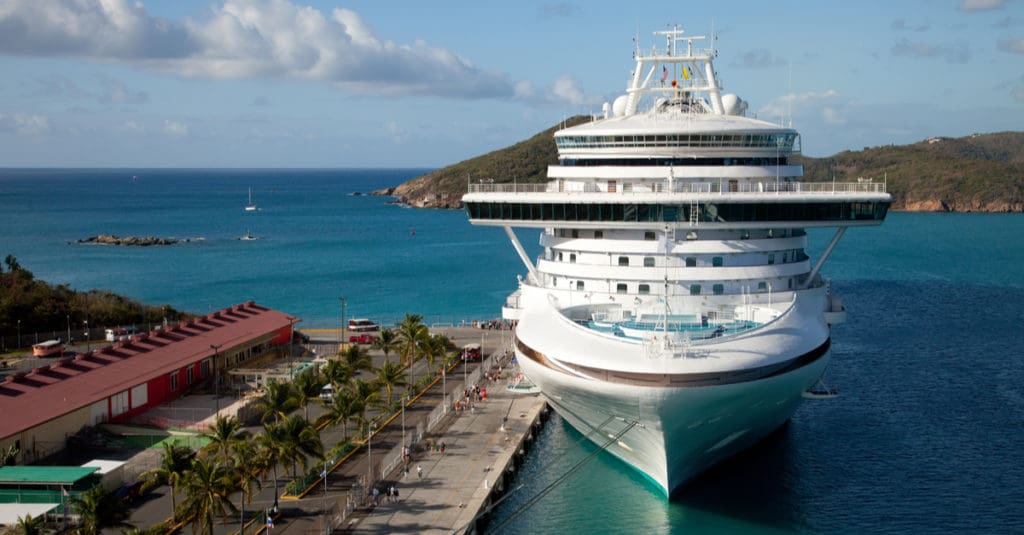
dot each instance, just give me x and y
(419, 470)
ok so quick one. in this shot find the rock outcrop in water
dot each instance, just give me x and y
(144, 241)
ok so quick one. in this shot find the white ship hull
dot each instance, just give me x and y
(680, 432)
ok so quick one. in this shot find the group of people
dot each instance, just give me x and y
(390, 495)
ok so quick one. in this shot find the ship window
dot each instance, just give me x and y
(644, 289)
(649, 236)
(771, 258)
(745, 235)
(716, 261)
(598, 234)
(718, 289)
(648, 261)
(620, 288)
(785, 257)
(762, 286)
(791, 283)
(572, 258)
(559, 257)
(691, 261)
(694, 289)
(623, 260)
(579, 285)
(575, 233)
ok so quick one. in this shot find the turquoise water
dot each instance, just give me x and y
(927, 435)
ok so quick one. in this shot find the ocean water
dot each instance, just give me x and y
(926, 436)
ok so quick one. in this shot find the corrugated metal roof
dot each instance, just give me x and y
(45, 474)
(66, 385)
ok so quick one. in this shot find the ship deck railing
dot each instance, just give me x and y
(784, 187)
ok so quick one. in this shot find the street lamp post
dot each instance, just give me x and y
(342, 340)
(19, 334)
(216, 383)
(403, 418)
(291, 352)
(86, 323)
(69, 328)
(369, 456)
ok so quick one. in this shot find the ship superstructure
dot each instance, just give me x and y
(674, 316)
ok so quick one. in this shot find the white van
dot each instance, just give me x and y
(327, 393)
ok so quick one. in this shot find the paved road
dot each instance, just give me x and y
(302, 515)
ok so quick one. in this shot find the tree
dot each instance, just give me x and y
(357, 358)
(173, 464)
(27, 525)
(368, 393)
(337, 373)
(387, 342)
(222, 435)
(208, 486)
(410, 332)
(277, 401)
(9, 457)
(389, 376)
(98, 509)
(345, 406)
(307, 388)
(250, 465)
(303, 441)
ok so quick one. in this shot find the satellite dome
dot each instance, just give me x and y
(733, 104)
(619, 106)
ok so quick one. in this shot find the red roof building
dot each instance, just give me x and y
(40, 409)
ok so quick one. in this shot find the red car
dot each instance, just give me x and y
(362, 339)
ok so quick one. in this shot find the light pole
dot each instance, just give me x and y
(404, 395)
(216, 383)
(342, 340)
(369, 455)
(69, 328)
(86, 323)
(19, 334)
(291, 352)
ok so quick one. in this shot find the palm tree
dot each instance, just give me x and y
(387, 342)
(30, 526)
(336, 373)
(357, 358)
(249, 467)
(410, 331)
(277, 402)
(208, 487)
(273, 448)
(223, 434)
(389, 375)
(98, 509)
(369, 395)
(307, 388)
(9, 456)
(303, 441)
(173, 464)
(345, 406)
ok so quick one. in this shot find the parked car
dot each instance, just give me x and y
(471, 352)
(363, 338)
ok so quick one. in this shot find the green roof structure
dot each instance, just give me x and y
(44, 475)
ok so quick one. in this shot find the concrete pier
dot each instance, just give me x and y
(480, 454)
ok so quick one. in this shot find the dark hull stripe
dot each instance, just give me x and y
(678, 380)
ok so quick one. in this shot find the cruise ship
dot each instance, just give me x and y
(674, 317)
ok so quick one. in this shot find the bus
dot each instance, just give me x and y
(471, 352)
(362, 324)
(48, 348)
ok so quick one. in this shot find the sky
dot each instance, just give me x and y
(408, 83)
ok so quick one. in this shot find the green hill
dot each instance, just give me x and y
(978, 173)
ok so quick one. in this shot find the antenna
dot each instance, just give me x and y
(790, 91)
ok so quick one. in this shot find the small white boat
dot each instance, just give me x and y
(251, 207)
(248, 236)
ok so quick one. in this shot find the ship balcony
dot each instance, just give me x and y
(674, 187)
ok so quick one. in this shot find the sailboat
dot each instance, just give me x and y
(251, 207)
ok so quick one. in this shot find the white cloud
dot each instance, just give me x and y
(1014, 45)
(395, 131)
(567, 90)
(26, 124)
(981, 5)
(759, 58)
(245, 39)
(958, 53)
(175, 129)
(827, 106)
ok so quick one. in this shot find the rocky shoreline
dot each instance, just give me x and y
(137, 241)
